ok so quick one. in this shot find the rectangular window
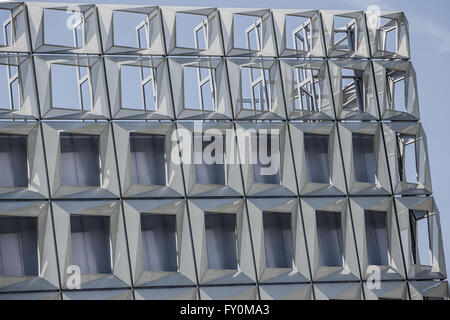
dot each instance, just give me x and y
(138, 90)
(13, 161)
(317, 158)
(191, 30)
(126, 26)
(352, 90)
(80, 161)
(18, 246)
(90, 243)
(298, 33)
(213, 173)
(329, 233)
(263, 169)
(5, 22)
(56, 31)
(256, 94)
(159, 242)
(148, 160)
(221, 241)
(364, 157)
(344, 33)
(243, 25)
(306, 93)
(396, 90)
(376, 237)
(407, 164)
(70, 87)
(420, 234)
(277, 239)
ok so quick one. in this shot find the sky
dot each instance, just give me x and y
(429, 28)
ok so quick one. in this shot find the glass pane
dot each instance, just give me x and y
(86, 95)
(201, 41)
(329, 233)
(207, 97)
(210, 173)
(13, 161)
(149, 95)
(64, 87)
(18, 246)
(124, 28)
(191, 89)
(90, 243)
(143, 38)
(80, 165)
(159, 248)
(55, 28)
(317, 158)
(277, 239)
(148, 162)
(15, 95)
(5, 34)
(376, 238)
(221, 241)
(421, 237)
(185, 25)
(131, 90)
(272, 157)
(364, 157)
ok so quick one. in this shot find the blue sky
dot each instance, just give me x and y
(430, 51)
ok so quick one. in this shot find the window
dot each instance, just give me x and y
(56, 31)
(148, 161)
(138, 88)
(300, 30)
(221, 241)
(277, 239)
(18, 246)
(130, 29)
(407, 163)
(345, 33)
(159, 242)
(387, 35)
(376, 237)
(317, 158)
(13, 161)
(247, 32)
(306, 89)
(267, 161)
(329, 232)
(352, 90)
(80, 162)
(396, 90)
(200, 80)
(256, 94)
(191, 31)
(364, 157)
(214, 173)
(90, 243)
(6, 33)
(71, 87)
(10, 97)
(420, 237)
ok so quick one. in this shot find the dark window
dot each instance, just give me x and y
(376, 238)
(317, 158)
(364, 157)
(221, 240)
(329, 231)
(13, 161)
(277, 239)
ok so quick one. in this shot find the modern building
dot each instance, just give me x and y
(95, 102)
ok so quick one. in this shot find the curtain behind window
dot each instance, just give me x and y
(80, 165)
(317, 158)
(364, 157)
(90, 243)
(376, 238)
(18, 246)
(13, 161)
(329, 232)
(258, 177)
(159, 249)
(210, 173)
(277, 239)
(221, 240)
(148, 163)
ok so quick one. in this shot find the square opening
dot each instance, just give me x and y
(211, 170)
(352, 90)
(298, 33)
(148, 159)
(221, 241)
(63, 29)
(191, 31)
(306, 89)
(18, 246)
(344, 32)
(200, 80)
(255, 88)
(364, 157)
(13, 160)
(6, 34)
(267, 166)
(420, 237)
(70, 87)
(407, 160)
(10, 94)
(278, 239)
(80, 161)
(131, 29)
(376, 237)
(159, 242)
(329, 233)
(90, 243)
(317, 158)
(138, 89)
(247, 32)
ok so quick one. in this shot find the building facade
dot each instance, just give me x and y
(108, 113)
